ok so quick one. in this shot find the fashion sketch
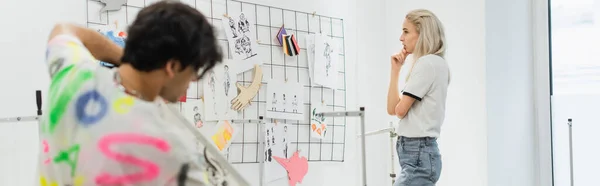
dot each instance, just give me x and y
(241, 37)
(284, 100)
(232, 26)
(212, 82)
(219, 90)
(246, 46)
(243, 24)
(197, 117)
(285, 148)
(325, 61)
(275, 146)
(227, 86)
(327, 54)
(274, 102)
(283, 103)
(295, 104)
(268, 147)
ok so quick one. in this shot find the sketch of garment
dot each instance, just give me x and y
(246, 46)
(269, 155)
(272, 137)
(295, 104)
(284, 141)
(243, 24)
(212, 83)
(227, 82)
(274, 103)
(283, 103)
(238, 46)
(232, 26)
(327, 54)
(227, 85)
(197, 117)
(267, 147)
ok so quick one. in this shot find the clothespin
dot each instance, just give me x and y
(202, 98)
(225, 15)
(323, 101)
(286, 79)
(314, 13)
(258, 41)
(116, 24)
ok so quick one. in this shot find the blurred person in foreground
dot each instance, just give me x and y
(112, 126)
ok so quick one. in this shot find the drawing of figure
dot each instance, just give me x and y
(243, 24)
(283, 103)
(295, 104)
(232, 26)
(227, 82)
(269, 154)
(285, 149)
(238, 46)
(227, 85)
(197, 117)
(246, 46)
(212, 82)
(274, 103)
(268, 151)
(327, 55)
(272, 137)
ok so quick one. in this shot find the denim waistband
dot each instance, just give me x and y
(416, 138)
(422, 140)
(426, 144)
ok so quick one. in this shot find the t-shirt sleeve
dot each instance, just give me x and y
(420, 79)
(64, 51)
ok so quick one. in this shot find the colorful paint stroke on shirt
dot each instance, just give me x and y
(59, 101)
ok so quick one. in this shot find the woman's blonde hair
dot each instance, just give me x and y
(432, 39)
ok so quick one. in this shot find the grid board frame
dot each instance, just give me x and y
(245, 149)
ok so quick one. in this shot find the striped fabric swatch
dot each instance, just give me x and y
(290, 45)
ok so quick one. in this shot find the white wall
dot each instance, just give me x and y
(26, 26)
(511, 129)
(23, 49)
(484, 45)
(373, 61)
(463, 142)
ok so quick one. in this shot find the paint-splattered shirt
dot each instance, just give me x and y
(93, 133)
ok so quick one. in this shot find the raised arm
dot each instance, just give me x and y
(420, 82)
(393, 98)
(99, 46)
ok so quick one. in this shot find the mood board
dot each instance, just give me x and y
(284, 65)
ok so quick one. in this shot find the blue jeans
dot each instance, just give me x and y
(420, 161)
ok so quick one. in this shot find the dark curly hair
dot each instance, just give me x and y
(171, 30)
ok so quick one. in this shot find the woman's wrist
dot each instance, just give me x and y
(396, 71)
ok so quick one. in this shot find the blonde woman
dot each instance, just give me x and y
(421, 106)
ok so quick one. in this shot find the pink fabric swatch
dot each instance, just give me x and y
(296, 166)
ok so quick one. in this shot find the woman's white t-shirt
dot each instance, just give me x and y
(428, 85)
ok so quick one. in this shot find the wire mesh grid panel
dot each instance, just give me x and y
(267, 20)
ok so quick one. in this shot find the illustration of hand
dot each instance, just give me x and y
(246, 94)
